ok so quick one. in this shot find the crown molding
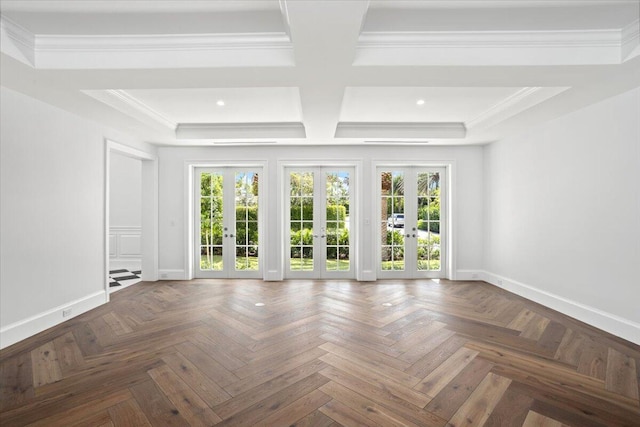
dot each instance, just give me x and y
(568, 47)
(161, 42)
(502, 105)
(131, 106)
(514, 104)
(16, 41)
(276, 130)
(164, 51)
(141, 107)
(490, 39)
(404, 130)
(144, 51)
(630, 39)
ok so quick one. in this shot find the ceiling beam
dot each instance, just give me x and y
(324, 36)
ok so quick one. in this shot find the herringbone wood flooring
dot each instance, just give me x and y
(318, 354)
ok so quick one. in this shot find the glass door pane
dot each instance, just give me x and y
(246, 226)
(337, 217)
(301, 202)
(411, 215)
(428, 214)
(392, 220)
(211, 221)
(228, 223)
(320, 216)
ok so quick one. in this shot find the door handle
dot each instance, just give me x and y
(231, 235)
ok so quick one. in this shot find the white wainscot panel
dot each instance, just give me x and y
(129, 245)
(113, 245)
(125, 242)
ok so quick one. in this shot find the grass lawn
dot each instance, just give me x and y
(306, 264)
(242, 263)
(431, 265)
(251, 264)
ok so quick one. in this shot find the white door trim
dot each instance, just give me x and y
(190, 167)
(450, 195)
(149, 209)
(356, 253)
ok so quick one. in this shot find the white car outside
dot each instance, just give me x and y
(396, 220)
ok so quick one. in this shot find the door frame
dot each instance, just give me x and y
(320, 218)
(149, 196)
(354, 226)
(449, 194)
(190, 167)
(229, 215)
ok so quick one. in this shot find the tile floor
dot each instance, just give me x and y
(119, 279)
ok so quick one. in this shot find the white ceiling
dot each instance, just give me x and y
(320, 72)
(438, 104)
(200, 105)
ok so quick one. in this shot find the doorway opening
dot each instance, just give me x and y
(412, 222)
(131, 216)
(228, 225)
(318, 227)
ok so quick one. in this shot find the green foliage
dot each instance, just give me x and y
(302, 237)
(301, 208)
(395, 246)
(395, 238)
(429, 248)
(434, 227)
(299, 240)
(298, 212)
(336, 213)
(247, 233)
(210, 209)
(249, 213)
(337, 244)
(301, 183)
(429, 212)
(338, 237)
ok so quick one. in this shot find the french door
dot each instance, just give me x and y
(227, 223)
(319, 222)
(411, 215)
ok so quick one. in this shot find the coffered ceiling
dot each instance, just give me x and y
(320, 72)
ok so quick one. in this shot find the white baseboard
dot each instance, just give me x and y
(272, 276)
(367, 276)
(30, 326)
(468, 275)
(608, 322)
(171, 275)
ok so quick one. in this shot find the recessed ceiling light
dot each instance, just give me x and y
(420, 102)
(259, 304)
(220, 102)
(387, 304)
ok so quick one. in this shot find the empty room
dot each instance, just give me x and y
(320, 213)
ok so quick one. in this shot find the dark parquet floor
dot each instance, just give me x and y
(320, 353)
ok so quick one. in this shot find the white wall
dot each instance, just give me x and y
(52, 214)
(125, 187)
(468, 177)
(125, 212)
(562, 214)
